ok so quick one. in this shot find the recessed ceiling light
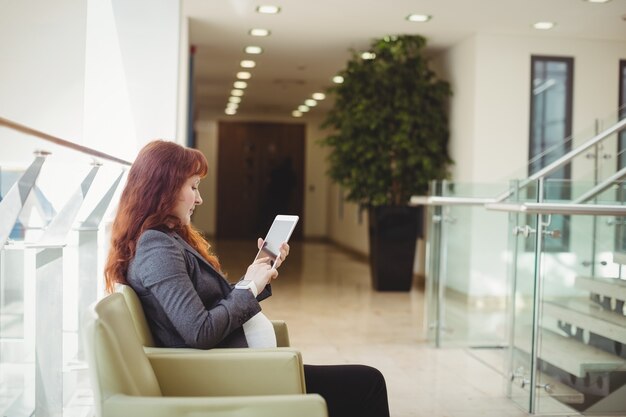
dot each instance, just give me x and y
(543, 25)
(337, 79)
(303, 108)
(255, 50)
(244, 75)
(236, 93)
(259, 32)
(230, 112)
(296, 113)
(232, 106)
(247, 63)
(319, 96)
(421, 18)
(368, 55)
(597, 1)
(234, 99)
(268, 9)
(240, 85)
(310, 102)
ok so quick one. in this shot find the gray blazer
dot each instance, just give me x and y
(186, 301)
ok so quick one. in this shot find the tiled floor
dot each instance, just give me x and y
(334, 317)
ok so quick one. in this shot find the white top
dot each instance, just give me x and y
(259, 332)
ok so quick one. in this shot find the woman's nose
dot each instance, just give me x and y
(198, 199)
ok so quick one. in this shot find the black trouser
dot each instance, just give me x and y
(349, 390)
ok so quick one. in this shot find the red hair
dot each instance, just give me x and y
(152, 188)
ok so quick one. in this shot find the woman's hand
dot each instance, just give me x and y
(261, 272)
(284, 252)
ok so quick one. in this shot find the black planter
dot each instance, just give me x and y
(393, 232)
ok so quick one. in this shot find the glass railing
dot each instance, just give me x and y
(55, 199)
(466, 291)
(484, 265)
(596, 162)
(588, 162)
(567, 304)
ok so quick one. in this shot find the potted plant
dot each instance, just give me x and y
(389, 140)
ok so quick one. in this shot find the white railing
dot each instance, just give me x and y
(52, 241)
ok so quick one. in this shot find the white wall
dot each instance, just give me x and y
(458, 67)
(316, 182)
(183, 80)
(345, 226)
(131, 84)
(42, 72)
(103, 73)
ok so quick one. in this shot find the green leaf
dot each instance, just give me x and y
(390, 126)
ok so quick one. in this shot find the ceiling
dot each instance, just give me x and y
(310, 41)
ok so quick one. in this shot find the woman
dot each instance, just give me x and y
(187, 301)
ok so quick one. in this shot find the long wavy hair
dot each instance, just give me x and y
(149, 197)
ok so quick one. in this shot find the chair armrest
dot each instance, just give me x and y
(310, 405)
(246, 372)
(282, 334)
(153, 350)
(280, 329)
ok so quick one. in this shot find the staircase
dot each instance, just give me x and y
(582, 347)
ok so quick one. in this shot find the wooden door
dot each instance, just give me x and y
(260, 174)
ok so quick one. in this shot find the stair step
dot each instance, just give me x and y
(587, 316)
(608, 287)
(571, 355)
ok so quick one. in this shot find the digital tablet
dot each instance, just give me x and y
(280, 232)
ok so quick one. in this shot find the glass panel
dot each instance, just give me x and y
(619, 192)
(52, 281)
(592, 166)
(582, 324)
(466, 289)
(577, 363)
(521, 269)
(433, 252)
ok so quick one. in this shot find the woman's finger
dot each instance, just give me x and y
(264, 260)
(274, 273)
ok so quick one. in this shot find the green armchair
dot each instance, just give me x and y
(128, 380)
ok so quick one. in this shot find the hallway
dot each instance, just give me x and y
(334, 317)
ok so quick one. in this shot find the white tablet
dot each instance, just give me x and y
(279, 233)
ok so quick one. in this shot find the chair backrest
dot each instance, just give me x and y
(137, 314)
(117, 361)
(145, 334)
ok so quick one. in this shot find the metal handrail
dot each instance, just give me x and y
(559, 208)
(607, 183)
(449, 201)
(62, 142)
(548, 169)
